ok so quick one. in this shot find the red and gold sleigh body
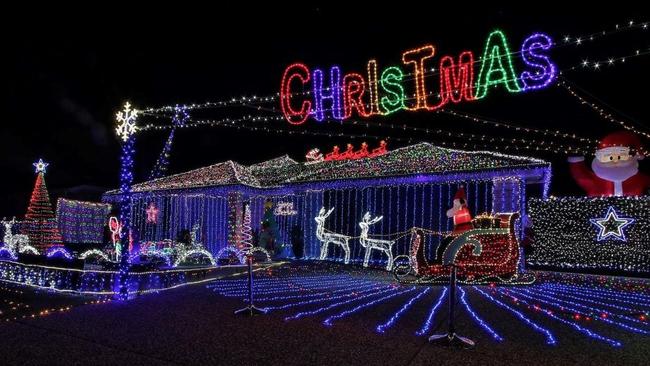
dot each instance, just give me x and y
(489, 253)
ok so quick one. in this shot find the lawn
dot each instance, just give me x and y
(335, 315)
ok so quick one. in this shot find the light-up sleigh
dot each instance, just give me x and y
(487, 253)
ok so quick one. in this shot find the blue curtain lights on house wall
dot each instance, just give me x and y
(178, 213)
(82, 222)
(409, 187)
(608, 234)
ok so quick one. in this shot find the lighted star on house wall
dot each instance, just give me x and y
(611, 226)
(152, 213)
(40, 166)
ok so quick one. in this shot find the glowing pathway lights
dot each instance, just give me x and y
(317, 294)
(322, 299)
(292, 286)
(549, 336)
(426, 327)
(334, 297)
(584, 298)
(591, 311)
(604, 291)
(478, 319)
(332, 306)
(624, 297)
(565, 305)
(289, 287)
(301, 290)
(393, 319)
(279, 282)
(345, 313)
(576, 326)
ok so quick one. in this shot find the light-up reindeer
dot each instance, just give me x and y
(16, 243)
(382, 245)
(327, 237)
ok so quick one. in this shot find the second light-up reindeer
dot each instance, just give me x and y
(18, 243)
(382, 245)
(327, 237)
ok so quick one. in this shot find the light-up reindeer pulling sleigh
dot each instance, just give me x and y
(485, 254)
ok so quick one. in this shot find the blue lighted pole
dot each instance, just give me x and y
(181, 116)
(126, 129)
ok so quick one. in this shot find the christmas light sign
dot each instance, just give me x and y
(284, 209)
(333, 95)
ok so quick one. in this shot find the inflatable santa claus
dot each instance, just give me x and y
(615, 169)
(460, 212)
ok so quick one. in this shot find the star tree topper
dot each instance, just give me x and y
(612, 225)
(126, 122)
(40, 166)
(152, 213)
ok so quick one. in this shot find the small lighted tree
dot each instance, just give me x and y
(40, 221)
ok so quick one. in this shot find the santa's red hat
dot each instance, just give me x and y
(620, 139)
(460, 194)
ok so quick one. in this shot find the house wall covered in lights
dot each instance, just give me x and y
(410, 187)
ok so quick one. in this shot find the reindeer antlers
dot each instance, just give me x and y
(323, 214)
(367, 220)
(5, 222)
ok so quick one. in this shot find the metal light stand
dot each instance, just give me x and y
(451, 339)
(250, 309)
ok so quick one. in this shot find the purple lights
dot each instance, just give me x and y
(544, 70)
(82, 222)
(331, 93)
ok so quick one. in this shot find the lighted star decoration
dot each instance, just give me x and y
(40, 166)
(611, 226)
(152, 213)
(126, 122)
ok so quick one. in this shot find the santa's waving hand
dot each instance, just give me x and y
(615, 168)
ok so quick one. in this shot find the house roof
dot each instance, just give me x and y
(422, 158)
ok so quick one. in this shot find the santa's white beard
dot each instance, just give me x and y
(455, 208)
(618, 172)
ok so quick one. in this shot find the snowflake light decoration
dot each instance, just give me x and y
(126, 122)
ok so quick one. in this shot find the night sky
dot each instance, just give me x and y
(64, 78)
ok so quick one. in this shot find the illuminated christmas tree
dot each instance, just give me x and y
(40, 221)
(246, 229)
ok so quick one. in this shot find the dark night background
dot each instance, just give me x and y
(64, 77)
